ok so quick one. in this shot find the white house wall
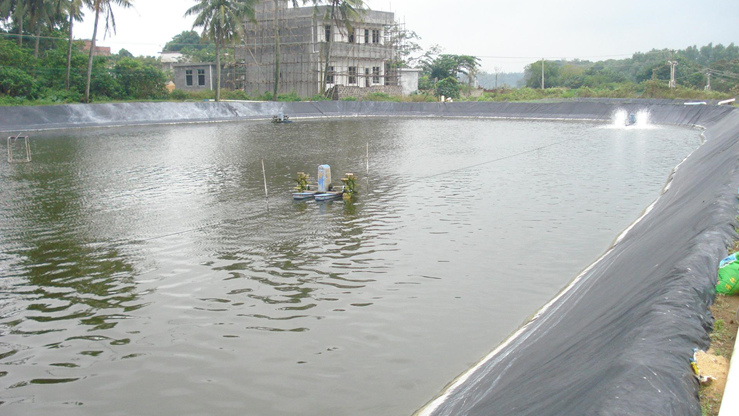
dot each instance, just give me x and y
(341, 72)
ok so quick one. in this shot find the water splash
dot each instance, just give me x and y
(632, 120)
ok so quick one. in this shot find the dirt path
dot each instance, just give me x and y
(715, 362)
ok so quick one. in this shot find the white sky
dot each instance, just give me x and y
(507, 34)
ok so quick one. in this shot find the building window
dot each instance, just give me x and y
(351, 35)
(366, 77)
(375, 74)
(188, 77)
(366, 36)
(376, 36)
(201, 77)
(352, 75)
(327, 33)
(330, 75)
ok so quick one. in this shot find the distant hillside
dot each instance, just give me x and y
(694, 68)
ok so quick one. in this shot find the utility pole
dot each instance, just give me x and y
(542, 73)
(672, 64)
(708, 84)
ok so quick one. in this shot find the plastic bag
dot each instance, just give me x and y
(728, 276)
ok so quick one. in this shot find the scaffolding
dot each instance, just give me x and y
(361, 55)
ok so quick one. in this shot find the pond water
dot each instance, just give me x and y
(143, 271)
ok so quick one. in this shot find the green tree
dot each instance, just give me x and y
(448, 87)
(124, 53)
(532, 74)
(59, 62)
(205, 54)
(105, 7)
(221, 21)
(44, 14)
(188, 39)
(138, 79)
(407, 46)
(446, 66)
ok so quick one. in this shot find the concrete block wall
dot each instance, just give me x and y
(343, 91)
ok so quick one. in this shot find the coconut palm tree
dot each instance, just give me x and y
(342, 13)
(221, 21)
(106, 8)
(16, 11)
(73, 9)
(40, 12)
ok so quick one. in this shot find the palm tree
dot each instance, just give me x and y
(221, 21)
(105, 7)
(15, 10)
(42, 11)
(341, 13)
(74, 11)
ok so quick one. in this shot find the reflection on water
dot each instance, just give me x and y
(143, 271)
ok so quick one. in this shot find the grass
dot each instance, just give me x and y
(647, 89)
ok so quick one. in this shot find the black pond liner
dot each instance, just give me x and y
(618, 339)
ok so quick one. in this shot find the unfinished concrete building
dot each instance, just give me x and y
(359, 57)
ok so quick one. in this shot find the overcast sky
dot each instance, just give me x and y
(506, 34)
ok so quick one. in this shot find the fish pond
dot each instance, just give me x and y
(144, 272)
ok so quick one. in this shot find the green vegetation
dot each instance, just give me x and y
(693, 68)
(39, 64)
(222, 22)
(194, 48)
(380, 96)
(25, 79)
(646, 89)
(644, 75)
(238, 95)
(442, 72)
(104, 7)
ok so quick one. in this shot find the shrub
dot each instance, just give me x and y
(17, 83)
(202, 95)
(292, 96)
(6, 100)
(179, 95)
(54, 96)
(234, 95)
(266, 97)
(421, 97)
(380, 96)
(319, 97)
(425, 83)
